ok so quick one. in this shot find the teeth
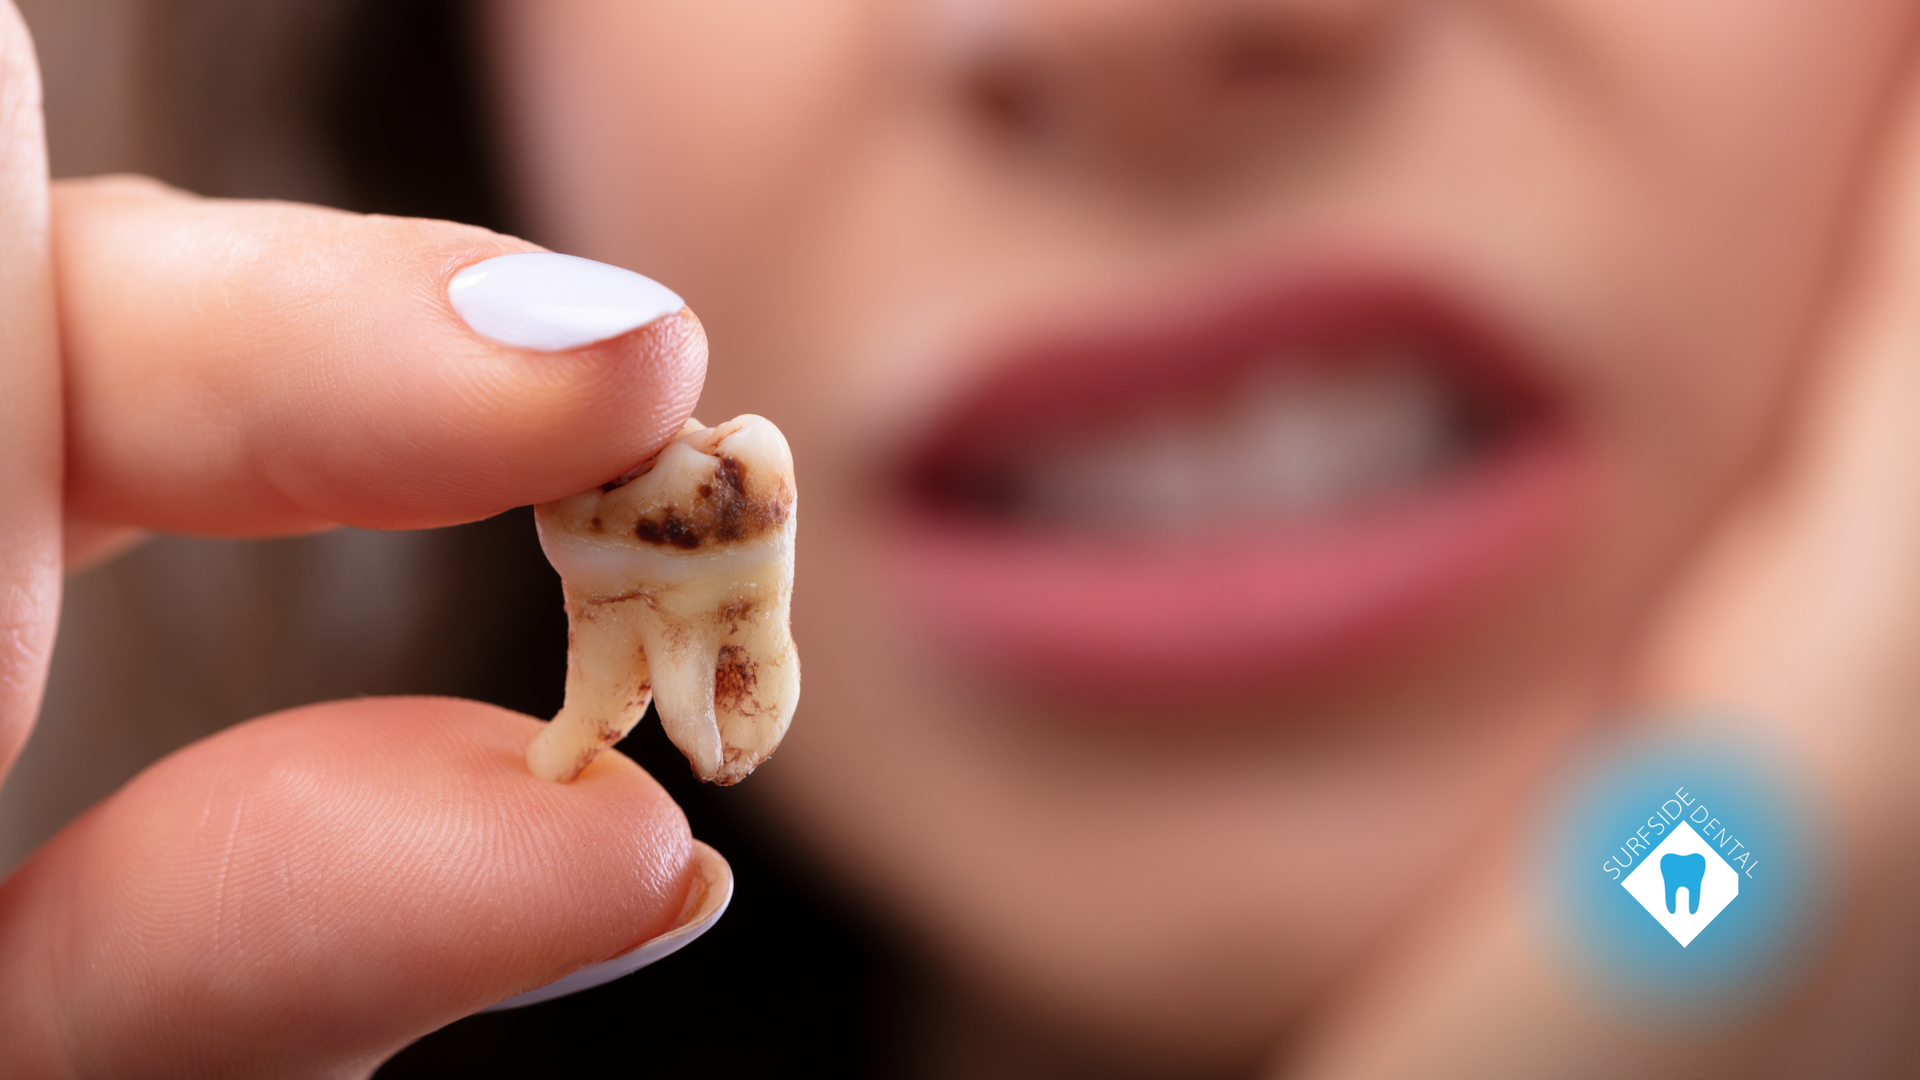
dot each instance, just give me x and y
(1295, 439)
(678, 584)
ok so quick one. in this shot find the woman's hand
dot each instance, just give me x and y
(1800, 619)
(306, 893)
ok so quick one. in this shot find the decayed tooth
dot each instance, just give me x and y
(678, 582)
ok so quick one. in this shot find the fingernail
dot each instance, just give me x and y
(551, 302)
(706, 901)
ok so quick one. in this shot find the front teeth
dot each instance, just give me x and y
(1293, 440)
(678, 585)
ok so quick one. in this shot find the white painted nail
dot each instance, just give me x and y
(550, 302)
(706, 901)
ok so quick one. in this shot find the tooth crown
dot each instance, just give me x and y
(678, 583)
(711, 489)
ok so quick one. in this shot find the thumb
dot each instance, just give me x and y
(29, 397)
(305, 894)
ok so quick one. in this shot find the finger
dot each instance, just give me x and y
(304, 894)
(85, 543)
(249, 368)
(29, 398)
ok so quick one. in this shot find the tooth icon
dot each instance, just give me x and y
(1684, 860)
(678, 580)
(1683, 872)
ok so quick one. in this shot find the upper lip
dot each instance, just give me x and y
(1227, 605)
(1082, 375)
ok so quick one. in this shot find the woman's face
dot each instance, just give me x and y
(1238, 438)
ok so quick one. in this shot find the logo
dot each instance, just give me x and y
(1685, 881)
(1684, 884)
(1710, 885)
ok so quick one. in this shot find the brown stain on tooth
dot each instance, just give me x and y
(725, 511)
(734, 612)
(670, 529)
(734, 677)
(733, 506)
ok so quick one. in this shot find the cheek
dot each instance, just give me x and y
(1744, 159)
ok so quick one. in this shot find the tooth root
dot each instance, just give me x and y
(1683, 872)
(756, 686)
(683, 684)
(608, 687)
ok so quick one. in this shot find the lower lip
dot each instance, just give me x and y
(1217, 614)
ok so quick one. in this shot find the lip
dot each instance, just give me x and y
(1226, 608)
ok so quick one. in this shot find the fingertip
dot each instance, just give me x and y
(327, 884)
(514, 426)
(253, 368)
(425, 420)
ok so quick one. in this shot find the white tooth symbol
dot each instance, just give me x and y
(678, 585)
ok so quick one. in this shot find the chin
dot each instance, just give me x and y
(1185, 883)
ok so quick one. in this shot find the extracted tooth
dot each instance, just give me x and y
(678, 581)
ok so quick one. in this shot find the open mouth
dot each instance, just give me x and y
(1277, 488)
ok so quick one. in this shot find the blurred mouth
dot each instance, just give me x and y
(1279, 488)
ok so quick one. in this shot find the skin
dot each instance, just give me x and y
(1675, 202)
(306, 893)
(1667, 200)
